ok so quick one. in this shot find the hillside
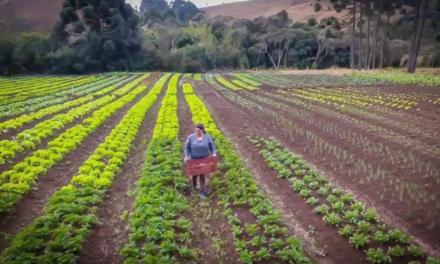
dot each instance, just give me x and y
(40, 15)
(298, 10)
(24, 15)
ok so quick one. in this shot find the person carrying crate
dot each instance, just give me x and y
(200, 152)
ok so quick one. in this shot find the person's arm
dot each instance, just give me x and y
(212, 147)
(187, 148)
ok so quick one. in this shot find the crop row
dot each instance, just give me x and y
(246, 79)
(34, 85)
(400, 78)
(37, 103)
(57, 235)
(389, 128)
(47, 90)
(30, 138)
(226, 83)
(11, 85)
(387, 117)
(324, 80)
(19, 121)
(391, 188)
(20, 178)
(343, 97)
(243, 82)
(404, 159)
(158, 231)
(403, 190)
(361, 226)
(274, 80)
(265, 238)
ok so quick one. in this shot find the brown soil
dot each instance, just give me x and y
(378, 159)
(108, 237)
(32, 203)
(424, 123)
(396, 131)
(425, 235)
(206, 216)
(324, 244)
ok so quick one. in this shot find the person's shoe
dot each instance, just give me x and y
(202, 195)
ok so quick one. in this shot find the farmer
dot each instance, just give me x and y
(199, 145)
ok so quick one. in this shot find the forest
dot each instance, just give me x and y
(110, 35)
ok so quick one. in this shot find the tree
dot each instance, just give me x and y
(184, 10)
(104, 32)
(421, 8)
(30, 52)
(317, 7)
(353, 33)
(159, 7)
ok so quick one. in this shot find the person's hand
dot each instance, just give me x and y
(185, 159)
(214, 155)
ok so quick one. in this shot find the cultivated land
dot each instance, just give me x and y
(316, 167)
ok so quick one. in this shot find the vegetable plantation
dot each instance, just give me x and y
(314, 168)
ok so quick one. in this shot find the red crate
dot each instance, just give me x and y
(201, 166)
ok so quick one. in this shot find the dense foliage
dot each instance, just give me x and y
(108, 35)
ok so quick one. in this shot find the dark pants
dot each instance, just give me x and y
(202, 182)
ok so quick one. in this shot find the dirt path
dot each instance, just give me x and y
(211, 232)
(108, 237)
(322, 242)
(32, 203)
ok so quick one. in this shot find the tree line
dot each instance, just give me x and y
(371, 29)
(109, 35)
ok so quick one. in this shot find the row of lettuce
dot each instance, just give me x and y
(364, 230)
(360, 225)
(53, 97)
(11, 91)
(98, 89)
(19, 179)
(159, 232)
(32, 137)
(57, 234)
(264, 238)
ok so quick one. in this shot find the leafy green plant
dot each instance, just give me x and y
(304, 193)
(399, 236)
(346, 231)
(332, 218)
(352, 216)
(312, 201)
(415, 250)
(364, 227)
(371, 215)
(396, 251)
(359, 240)
(376, 255)
(321, 209)
(338, 206)
(381, 236)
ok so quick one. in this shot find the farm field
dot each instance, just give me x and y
(314, 168)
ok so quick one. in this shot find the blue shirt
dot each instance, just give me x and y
(199, 149)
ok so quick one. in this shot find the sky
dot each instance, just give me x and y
(199, 3)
